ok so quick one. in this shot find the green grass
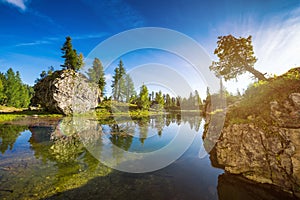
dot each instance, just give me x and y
(8, 117)
(10, 114)
(255, 104)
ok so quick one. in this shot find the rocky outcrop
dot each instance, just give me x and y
(266, 154)
(287, 114)
(66, 92)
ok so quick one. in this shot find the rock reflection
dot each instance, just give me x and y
(234, 187)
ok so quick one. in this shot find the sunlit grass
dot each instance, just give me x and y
(9, 117)
(10, 113)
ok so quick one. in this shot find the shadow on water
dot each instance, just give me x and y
(51, 161)
(234, 187)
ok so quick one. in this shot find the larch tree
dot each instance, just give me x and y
(122, 84)
(236, 56)
(118, 82)
(96, 74)
(129, 89)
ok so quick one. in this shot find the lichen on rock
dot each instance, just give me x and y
(66, 92)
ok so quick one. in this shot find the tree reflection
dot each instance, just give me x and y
(160, 123)
(143, 124)
(73, 138)
(9, 135)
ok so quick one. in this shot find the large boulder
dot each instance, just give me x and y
(66, 92)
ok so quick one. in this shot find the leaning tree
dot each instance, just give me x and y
(236, 56)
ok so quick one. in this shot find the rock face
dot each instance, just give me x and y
(265, 154)
(66, 92)
(288, 114)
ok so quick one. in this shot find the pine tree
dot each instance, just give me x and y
(178, 101)
(159, 100)
(96, 74)
(143, 101)
(72, 60)
(16, 93)
(236, 56)
(121, 83)
(168, 101)
(11, 88)
(44, 74)
(130, 91)
(2, 94)
(115, 83)
(198, 100)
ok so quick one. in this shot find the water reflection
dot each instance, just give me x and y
(233, 187)
(8, 136)
(58, 165)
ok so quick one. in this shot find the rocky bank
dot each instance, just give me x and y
(265, 151)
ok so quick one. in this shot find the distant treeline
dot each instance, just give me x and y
(13, 92)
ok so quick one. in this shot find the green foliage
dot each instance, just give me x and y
(9, 135)
(236, 56)
(2, 94)
(193, 102)
(12, 91)
(44, 74)
(257, 98)
(122, 85)
(130, 94)
(72, 59)
(96, 74)
(8, 117)
(168, 102)
(159, 100)
(143, 101)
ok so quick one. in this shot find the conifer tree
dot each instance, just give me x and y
(143, 101)
(16, 93)
(96, 74)
(159, 99)
(129, 89)
(122, 84)
(72, 60)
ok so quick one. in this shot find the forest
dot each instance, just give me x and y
(14, 93)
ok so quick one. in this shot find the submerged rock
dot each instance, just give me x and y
(66, 92)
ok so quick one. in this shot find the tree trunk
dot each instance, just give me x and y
(257, 74)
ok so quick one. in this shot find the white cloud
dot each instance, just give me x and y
(89, 36)
(277, 44)
(38, 42)
(275, 39)
(18, 3)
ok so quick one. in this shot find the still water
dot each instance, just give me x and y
(53, 159)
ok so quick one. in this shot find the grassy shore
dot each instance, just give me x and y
(11, 113)
(106, 109)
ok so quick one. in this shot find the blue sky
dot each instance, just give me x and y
(33, 31)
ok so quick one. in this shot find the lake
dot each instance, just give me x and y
(81, 159)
